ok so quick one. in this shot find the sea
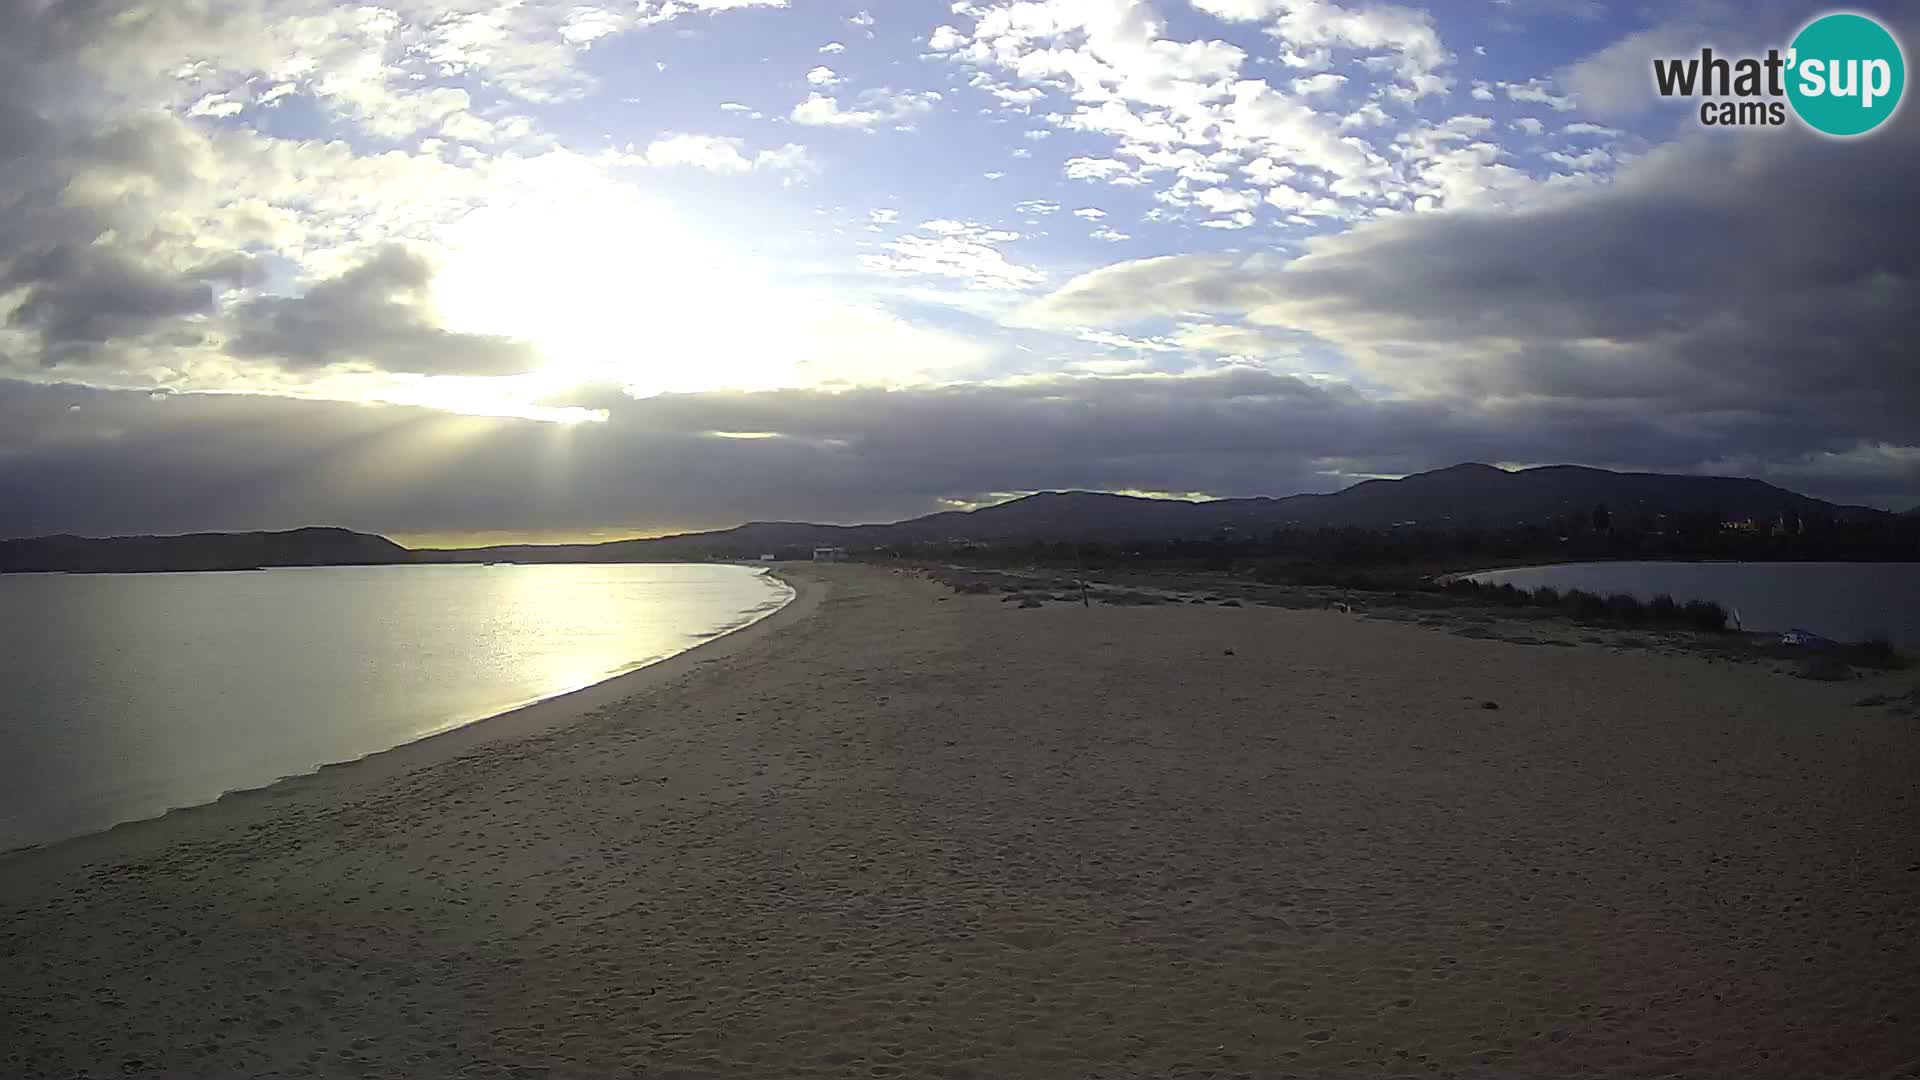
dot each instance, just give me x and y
(123, 696)
(1849, 601)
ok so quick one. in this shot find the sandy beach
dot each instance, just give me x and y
(892, 831)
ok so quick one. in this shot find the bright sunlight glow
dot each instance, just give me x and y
(616, 288)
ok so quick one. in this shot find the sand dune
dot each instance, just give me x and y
(896, 832)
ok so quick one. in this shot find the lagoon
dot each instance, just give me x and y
(1844, 601)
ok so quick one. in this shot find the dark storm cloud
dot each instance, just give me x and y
(91, 296)
(1760, 272)
(373, 314)
(122, 462)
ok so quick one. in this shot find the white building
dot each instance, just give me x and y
(829, 554)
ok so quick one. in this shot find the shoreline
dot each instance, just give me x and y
(532, 718)
(1676, 562)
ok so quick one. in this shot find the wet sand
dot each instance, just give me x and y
(896, 832)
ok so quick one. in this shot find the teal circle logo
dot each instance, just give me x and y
(1845, 74)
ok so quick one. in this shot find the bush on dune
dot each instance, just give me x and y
(1582, 604)
(1619, 608)
(1623, 607)
(1705, 615)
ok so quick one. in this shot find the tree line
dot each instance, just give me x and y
(1360, 557)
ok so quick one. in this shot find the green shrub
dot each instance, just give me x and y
(1705, 615)
(1582, 604)
(1625, 608)
(1663, 609)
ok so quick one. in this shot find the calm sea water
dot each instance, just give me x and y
(125, 695)
(1844, 601)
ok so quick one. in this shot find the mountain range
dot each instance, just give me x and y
(1461, 496)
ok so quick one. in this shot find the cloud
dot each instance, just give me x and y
(1538, 91)
(1324, 83)
(872, 108)
(1587, 162)
(1109, 169)
(1671, 294)
(960, 250)
(374, 315)
(1185, 110)
(1618, 80)
(721, 154)
(287, 197)
(226, 461)
(1405, 36)
(87, 296)
(945, 39)
(1213, 200)
(1129, 79)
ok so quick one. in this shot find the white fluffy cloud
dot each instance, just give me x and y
(1186, 113)
(1404, 37)
(871, 109)
(959, 250)
(1538, 91)
(720, 154)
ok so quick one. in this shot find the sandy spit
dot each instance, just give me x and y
(895, 832)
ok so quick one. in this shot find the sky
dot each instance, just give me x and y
(461, 271)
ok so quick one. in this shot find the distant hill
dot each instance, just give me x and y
(199, 551)
(1461, 496)
(1484, 496)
